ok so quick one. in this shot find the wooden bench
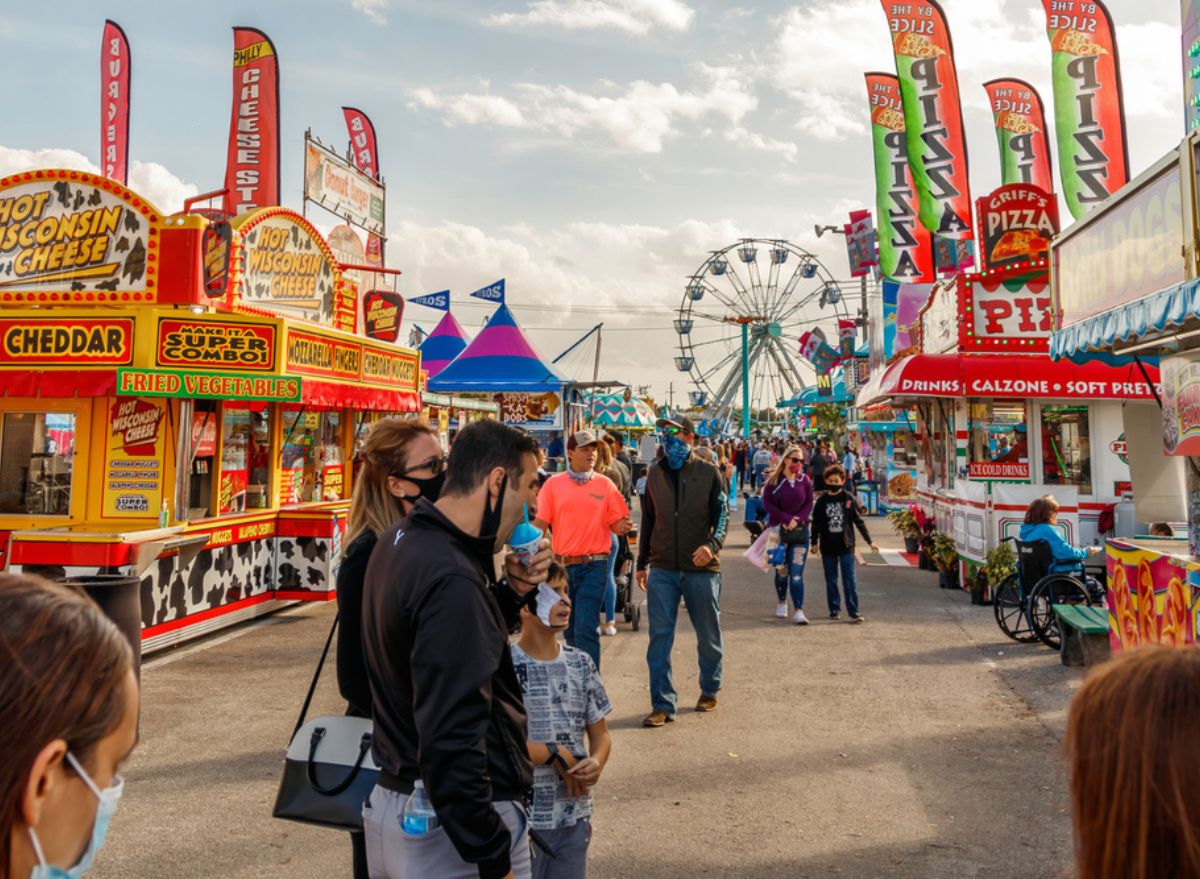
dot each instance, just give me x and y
(1084, 634)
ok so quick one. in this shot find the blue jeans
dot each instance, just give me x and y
(797, 555)
(760, 471)
(610, 588)
(570, 846)
(586, 591)
(849, 581)
(702, 592)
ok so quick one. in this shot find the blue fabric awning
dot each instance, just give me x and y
(1093, 338)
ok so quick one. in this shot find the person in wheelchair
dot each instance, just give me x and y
(1040, 519)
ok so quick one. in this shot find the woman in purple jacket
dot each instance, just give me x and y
(788, 497)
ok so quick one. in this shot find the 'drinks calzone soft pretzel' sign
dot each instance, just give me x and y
(937, 147)
(905, 246)
(1089, 111)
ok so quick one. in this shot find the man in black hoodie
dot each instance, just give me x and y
(448, 706)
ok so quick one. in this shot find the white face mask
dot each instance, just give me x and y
(547, 601)
(109, 797)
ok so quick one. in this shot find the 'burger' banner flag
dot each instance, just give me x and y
(905, 246)
(114, 103)
(252, 166)
(937, 147)
(1089, 110)
(366, 156)
(1021, 133)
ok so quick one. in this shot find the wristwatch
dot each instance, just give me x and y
(555, 757)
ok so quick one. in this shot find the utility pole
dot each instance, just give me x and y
(671, 396)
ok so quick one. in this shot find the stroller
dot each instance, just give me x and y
(755, 516)
(627, 605)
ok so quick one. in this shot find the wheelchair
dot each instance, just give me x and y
(1024, 602)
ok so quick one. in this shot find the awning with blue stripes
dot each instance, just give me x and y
(1094, 338)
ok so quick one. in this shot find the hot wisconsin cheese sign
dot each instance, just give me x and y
(67, 236)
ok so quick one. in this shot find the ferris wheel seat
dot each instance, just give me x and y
(683, 327)
(719, 266)
(808, 270)
(684, 364)
(748, 254)
(779, 256)
(695, 293)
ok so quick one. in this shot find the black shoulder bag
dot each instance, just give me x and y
(329, 770)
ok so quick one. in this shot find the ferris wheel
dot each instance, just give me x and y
(738, 317)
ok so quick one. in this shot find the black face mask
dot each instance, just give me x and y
(430, 489)
(489, 526)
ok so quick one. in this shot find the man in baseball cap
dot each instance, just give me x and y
(583, 513)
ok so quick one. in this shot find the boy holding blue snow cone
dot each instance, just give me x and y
(566, 703)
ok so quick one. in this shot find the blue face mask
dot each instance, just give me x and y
(109, 797)
(676, 450)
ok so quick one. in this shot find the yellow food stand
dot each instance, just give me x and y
(180, 400)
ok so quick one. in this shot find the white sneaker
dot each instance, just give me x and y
(800, 619)
(610, 629)
(781, 610)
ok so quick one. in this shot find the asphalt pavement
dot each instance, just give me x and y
(920, 744)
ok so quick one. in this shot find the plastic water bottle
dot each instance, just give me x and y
(419, 817)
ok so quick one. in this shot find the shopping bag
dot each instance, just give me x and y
(757, 553)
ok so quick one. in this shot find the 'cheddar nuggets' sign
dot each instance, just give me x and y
(67, 235)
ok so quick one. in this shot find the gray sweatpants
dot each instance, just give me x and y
(393, 854)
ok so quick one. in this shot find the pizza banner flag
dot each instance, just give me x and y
(252, 164)
(1089, 109)
(115, 63)
(817, 351)
(365, 151)
(1021, 133)
(847, 333)
(905, 246)
(933, 120)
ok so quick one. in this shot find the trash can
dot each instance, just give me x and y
(119, 597)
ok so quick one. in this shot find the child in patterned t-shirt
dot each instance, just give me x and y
(564, 699)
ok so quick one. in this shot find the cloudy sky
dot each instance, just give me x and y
(592, 151)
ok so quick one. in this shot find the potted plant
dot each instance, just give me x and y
(979, 587)
(925, 531)
(905, 523)
(1001, 564)
(944, 554)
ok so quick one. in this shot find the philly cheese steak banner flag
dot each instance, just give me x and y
(252, 165)
(1089, 110)
(366, 156)
(1021, 133)
(905, 246)
(937, 146)
(114, 103)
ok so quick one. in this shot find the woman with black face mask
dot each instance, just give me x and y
(401, 462)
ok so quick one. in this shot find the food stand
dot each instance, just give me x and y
(997, 423)
(178, 400)
(1125, 290)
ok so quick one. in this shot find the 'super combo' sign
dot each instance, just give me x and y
(216, 344)
(207, 386)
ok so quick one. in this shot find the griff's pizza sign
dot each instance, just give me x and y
(1018, 222)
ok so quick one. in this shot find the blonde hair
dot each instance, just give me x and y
(604, 458)
(781, 468)
(372, 507)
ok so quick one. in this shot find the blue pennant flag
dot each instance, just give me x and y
(492, 292)
(440, 301)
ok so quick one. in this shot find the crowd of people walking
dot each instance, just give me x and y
(477, 657)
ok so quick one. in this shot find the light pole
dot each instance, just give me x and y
(838, 230)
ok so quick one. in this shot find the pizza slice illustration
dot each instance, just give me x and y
(888, 118)
(1019, 242)
(917, 46)
(1076, 43)
(1015, 123)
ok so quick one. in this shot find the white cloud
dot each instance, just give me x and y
(639, 117)
(753, 140)
(149, 179)
(372, 9)
(636, 17)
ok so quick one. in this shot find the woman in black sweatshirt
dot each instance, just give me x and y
(401, 461)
